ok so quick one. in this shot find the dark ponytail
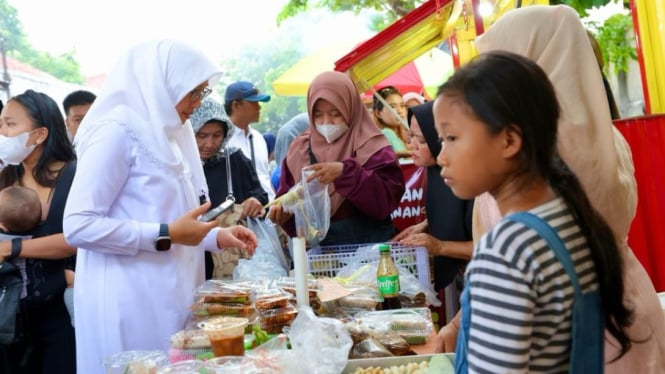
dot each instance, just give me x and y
(604, 251)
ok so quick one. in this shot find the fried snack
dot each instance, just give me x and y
(230, 298)
(369, 348)
(218, 291)
(394, 343)
(358, 331)
(279, 316)
(213, 309)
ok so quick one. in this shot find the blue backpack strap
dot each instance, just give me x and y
(553, 241)
(588, 321)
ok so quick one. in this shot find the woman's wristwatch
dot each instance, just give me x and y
(163, 242)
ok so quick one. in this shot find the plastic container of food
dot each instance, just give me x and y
(135, 362)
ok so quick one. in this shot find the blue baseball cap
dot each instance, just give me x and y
(243, 90)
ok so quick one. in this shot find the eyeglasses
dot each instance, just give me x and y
(198, 94)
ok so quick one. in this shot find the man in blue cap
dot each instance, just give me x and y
(242, 106)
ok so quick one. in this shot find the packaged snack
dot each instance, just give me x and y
(270, 298)
(272, 317)
(189, 339)
(369, 348)
(415, 325)
(218, 291)
(214, 309)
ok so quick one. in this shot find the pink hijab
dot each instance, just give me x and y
(361, 141)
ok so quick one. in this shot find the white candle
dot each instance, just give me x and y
(300, 271)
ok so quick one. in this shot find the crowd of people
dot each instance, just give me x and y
(101, 208)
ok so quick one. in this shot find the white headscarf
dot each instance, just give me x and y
(554, 37)
(141, 93)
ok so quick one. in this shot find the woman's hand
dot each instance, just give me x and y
(325, 172)
(188, 230)
(435, 247)
(252, 207)
(5, 250)
(411, 230)
(446, 339)
(278, 215)
(237, 237)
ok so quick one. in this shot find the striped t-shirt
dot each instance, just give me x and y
(521, 297)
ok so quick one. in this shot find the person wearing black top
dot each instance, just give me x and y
(212, 128)
(447, 231)
(43, 159)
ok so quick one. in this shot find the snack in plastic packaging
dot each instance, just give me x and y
(217, 291)
(369, 348)
(415, 325)
(281, 316)
(215, 309)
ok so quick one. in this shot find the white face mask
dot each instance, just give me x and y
(331, 132)
(13, 149)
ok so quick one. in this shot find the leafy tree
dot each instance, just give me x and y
(386, 11)
(64, 67)
(261, 65)
(617, 49)
(389, 10)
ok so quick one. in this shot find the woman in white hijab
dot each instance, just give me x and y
(135, 201)
(555, 38)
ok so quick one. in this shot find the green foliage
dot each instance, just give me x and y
(262, 65)
(63, 67)
(387, 10)
(617, 49)
(581, 5)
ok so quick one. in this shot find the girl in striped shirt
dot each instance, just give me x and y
(497, 121)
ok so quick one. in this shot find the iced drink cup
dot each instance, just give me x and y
(227, 335)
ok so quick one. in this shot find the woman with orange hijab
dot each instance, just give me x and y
(344, 149)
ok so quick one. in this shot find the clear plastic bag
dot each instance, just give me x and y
(310, 203)
(269, 260)
(324, 342)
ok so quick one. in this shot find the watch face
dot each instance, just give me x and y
(163, 244)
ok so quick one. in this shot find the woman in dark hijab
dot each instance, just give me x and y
(447, 231)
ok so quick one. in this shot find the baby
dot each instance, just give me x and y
(21, 212)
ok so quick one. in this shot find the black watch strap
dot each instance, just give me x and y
(163, 242)
(17, 246)
(163, 230)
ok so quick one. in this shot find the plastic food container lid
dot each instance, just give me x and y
(152, 358)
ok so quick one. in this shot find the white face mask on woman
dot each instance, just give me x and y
(332, 132)
(13, 149)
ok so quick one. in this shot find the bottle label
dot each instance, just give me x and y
(388, 285)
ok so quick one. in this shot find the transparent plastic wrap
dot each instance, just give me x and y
(270, 298)
(414, 325)
(363, 272)
(369, 348)
(269, 260)
(363, 297)
(220, 291)
(321, 344)
(392, 341)
(222, 309)
(310, 203)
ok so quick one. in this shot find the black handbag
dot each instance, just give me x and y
(11, 284)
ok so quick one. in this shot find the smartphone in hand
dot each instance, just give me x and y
(218, 210)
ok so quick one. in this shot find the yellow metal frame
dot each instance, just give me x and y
(455, 17)
(651, 22)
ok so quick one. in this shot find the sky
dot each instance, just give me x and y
(98, 31)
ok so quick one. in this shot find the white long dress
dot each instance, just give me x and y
(137, 167)
(127, 295)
